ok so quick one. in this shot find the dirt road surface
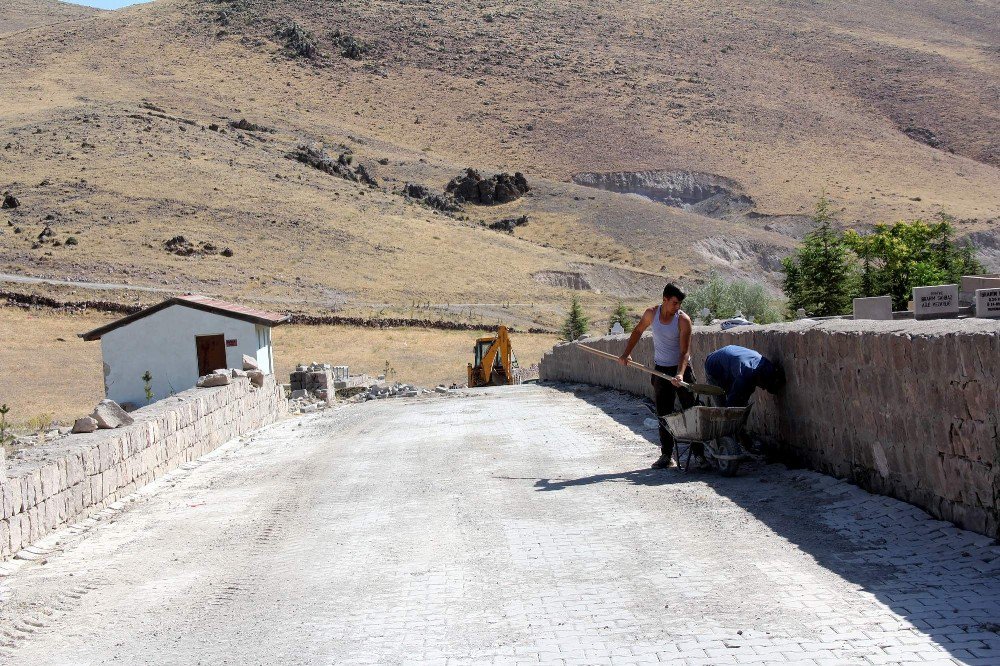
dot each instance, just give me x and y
(511, 525)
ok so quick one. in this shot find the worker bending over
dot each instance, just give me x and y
(671, 342)
(740, 371)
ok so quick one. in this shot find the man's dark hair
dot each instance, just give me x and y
(673, 290)
(773, 380)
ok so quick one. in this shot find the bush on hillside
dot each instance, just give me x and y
(727, 298)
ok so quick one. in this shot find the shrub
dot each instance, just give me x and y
(349, 46)
(724, 299)
(5, 435)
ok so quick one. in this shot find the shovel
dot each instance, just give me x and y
(703, 389)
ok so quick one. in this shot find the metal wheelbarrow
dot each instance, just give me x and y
(716, 428)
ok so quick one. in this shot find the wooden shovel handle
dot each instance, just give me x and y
(706, 389)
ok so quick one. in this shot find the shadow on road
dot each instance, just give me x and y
(944, 581)
(640, 477)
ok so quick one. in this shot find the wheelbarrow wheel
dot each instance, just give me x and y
(728, 446)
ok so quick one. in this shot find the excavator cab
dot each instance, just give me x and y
(494, 361)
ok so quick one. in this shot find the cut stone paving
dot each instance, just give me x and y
(509, 525)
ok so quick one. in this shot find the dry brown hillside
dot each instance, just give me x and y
(729, 118)
(17, 15)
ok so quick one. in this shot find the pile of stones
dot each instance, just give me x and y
(397, 390)
(314, 380)
(106, 416)
(225, 376)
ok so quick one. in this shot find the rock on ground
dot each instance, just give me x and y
(220, 378)
(108, 414)
(85, 424)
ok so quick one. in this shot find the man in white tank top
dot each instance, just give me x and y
(671, 329)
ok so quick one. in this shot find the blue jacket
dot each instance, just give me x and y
(739, 371)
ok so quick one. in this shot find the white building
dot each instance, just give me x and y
(178, 341)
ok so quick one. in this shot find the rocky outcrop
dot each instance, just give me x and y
(508, 224)
(442, 202)
(9, 201)
(316, 157)
(499, 189)
(183, 247)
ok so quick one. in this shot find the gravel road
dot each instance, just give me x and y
(511, 525)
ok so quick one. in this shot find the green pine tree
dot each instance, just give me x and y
(576, 323)
(621, 315)
(820, 276)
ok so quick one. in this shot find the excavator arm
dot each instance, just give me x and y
(482, 373)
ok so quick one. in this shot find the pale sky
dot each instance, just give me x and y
(105, 4)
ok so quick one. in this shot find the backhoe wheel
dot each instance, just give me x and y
(728, 446)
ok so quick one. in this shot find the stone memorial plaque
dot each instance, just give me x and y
(938, 302)
(973, 283)
(875, 307)
(988, 303)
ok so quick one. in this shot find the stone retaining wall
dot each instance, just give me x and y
(51, 485)
(903, 408)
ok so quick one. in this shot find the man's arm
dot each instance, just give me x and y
(633, 340)
(684, 324)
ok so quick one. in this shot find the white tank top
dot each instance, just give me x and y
(666, 340)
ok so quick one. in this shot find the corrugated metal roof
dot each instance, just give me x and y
(197, 302)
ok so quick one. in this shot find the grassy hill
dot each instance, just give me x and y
(118, 132)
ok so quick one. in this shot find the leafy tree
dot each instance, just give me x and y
(820, 275)
(621, 315)
(725, 299)
(576, 323)
(896, 258)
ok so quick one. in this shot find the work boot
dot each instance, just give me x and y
(664, 462)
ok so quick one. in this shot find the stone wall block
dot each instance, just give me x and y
(6, 500)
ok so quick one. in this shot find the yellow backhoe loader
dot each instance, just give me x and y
(495, 363)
